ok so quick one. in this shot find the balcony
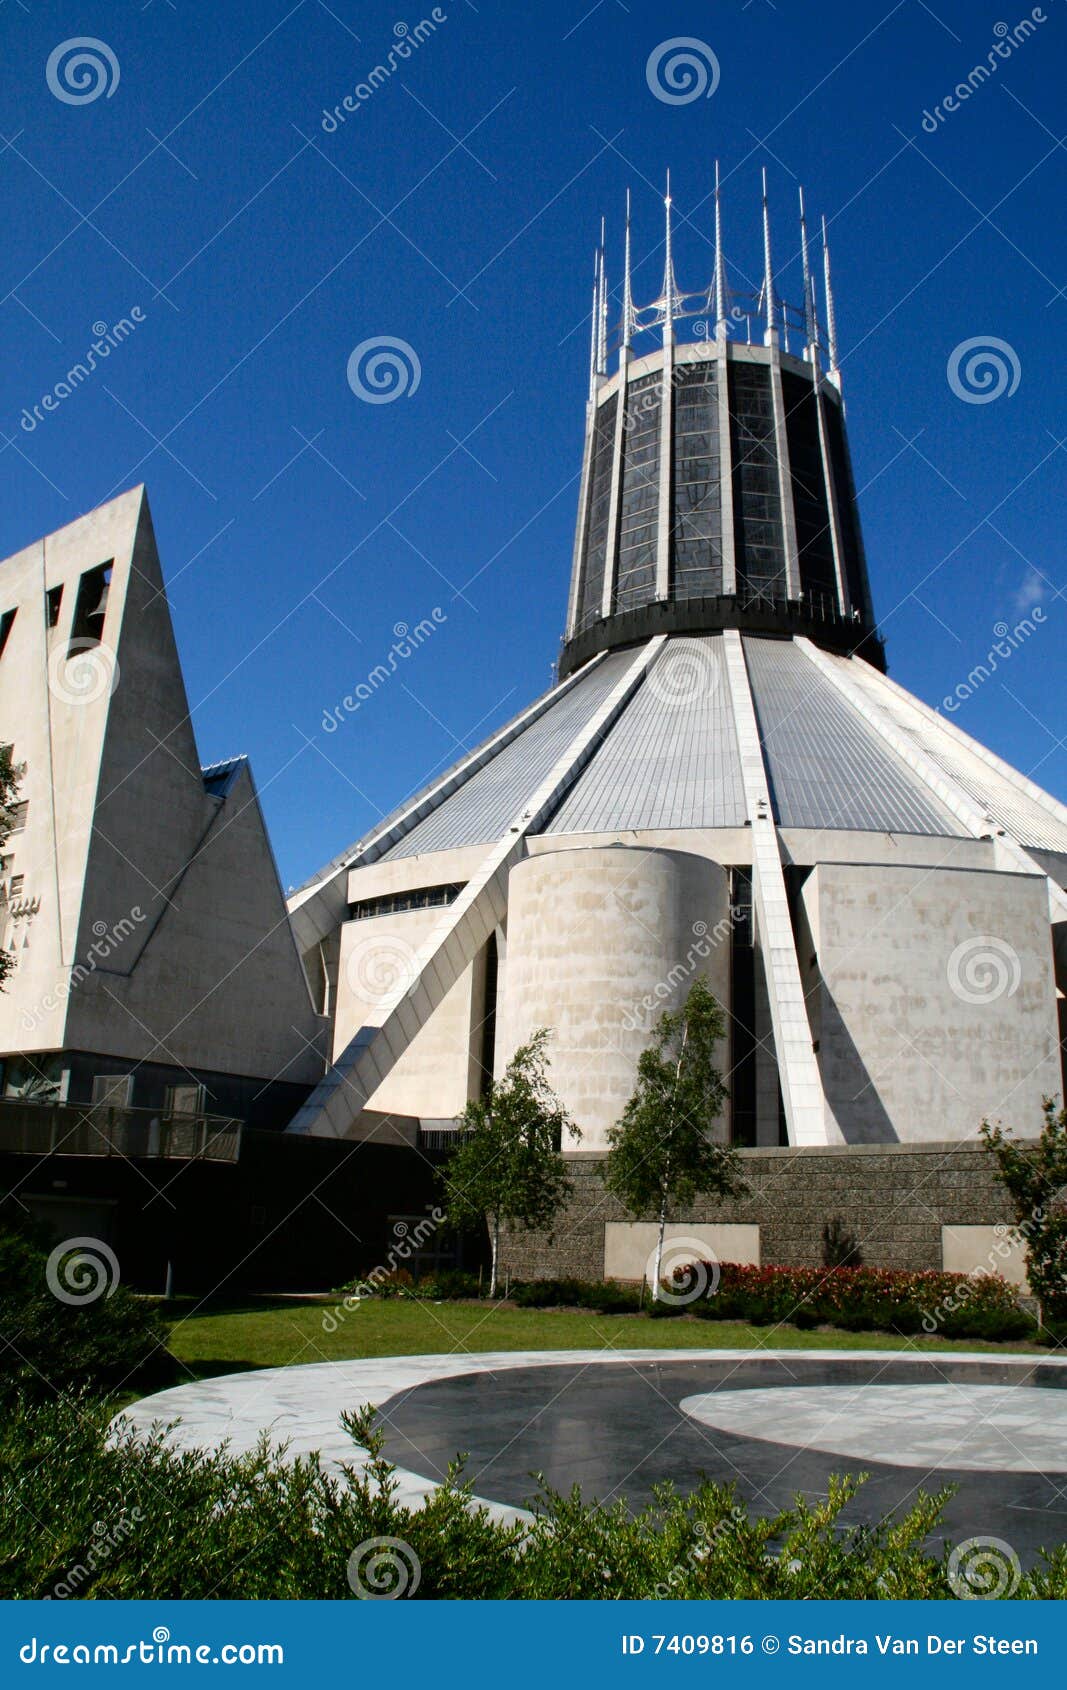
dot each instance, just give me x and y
(72, 1129)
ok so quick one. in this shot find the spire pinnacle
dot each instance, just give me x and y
(831, 316)
(593, 321)
(602, 312)
(768, 274)
(627, 288)
(670, 286)
(720, 272)
(811, 316)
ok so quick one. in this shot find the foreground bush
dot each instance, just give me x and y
(82, 1518)
(952, 1305)
(49, 1345)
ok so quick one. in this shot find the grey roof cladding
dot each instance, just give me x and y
(1010, 807)
(483, 807)
(671, 760)
(826, 767)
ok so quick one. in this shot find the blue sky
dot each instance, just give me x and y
(456, 210)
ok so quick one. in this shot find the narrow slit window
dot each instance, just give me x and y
(52, 601)
(6, 622)
(90, 608)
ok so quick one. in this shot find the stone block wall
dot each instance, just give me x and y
(895, 1198)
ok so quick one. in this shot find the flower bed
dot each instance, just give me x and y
(953, 1305)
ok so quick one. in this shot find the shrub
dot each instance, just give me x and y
(840, 1247)
(47, 1345)
(858, 1299)
(602, 1296)
(448, 1285)
(118, 1519)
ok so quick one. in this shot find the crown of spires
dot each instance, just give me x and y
(714, 302)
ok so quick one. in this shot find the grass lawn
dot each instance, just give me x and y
(285, 1334)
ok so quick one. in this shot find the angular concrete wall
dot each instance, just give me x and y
(435, 1076)
(932, 998)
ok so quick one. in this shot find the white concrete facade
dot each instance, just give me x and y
(139, 897)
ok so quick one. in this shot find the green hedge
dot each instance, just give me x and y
(951, 1305)
(88, 1517)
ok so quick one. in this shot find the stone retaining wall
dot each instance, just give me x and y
(895, 1198)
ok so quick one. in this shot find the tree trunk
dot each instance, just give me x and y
(494, 1235)
(666, 1182)
(659, 1245)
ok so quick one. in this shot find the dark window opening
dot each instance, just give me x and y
(16, 816)
(743, 1007)
(6, 622)
(488, 1050)
(395, 903)
(594, 563)
(52, 601)
(90, 608)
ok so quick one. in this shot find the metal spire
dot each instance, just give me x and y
(627, 289)
(593, 320)
(670, 286)
(602, 328)
(831, 318)
(811, 316)
(720, 273)
(768, 276)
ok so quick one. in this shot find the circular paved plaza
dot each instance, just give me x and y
(617, 1423)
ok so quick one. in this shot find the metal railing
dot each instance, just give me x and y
(96, 1129)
